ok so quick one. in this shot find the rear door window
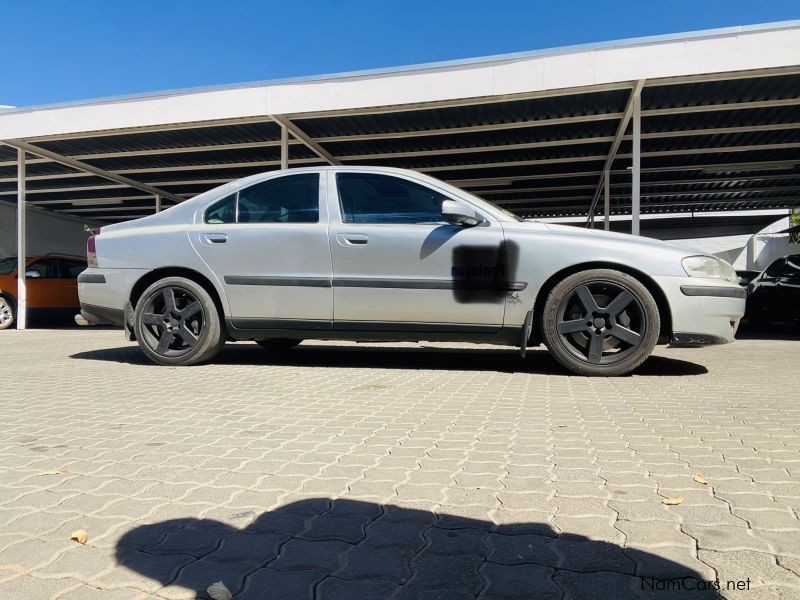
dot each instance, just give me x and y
(70, 269)
(287, 199)
(223, 211)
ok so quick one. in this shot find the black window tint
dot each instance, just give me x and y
(70, 269)
(775, 269)
(371, 198)
(287, 199)
(223, 211)
(47, 268)
(7, 265)
(792, 266)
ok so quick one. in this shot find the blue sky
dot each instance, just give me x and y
(61, 50)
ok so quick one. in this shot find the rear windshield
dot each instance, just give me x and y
(7, 265)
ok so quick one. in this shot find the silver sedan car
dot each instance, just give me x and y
(380, 254)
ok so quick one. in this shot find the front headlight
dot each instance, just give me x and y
(708, 266)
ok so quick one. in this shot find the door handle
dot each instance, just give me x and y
(352, 239)
(216, 238)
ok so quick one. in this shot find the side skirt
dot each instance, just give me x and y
(372, 331)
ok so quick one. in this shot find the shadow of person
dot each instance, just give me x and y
(345, 549)
(371, 356)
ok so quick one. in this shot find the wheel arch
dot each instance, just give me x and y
(664, 310)
(151, 277)
(10, 297)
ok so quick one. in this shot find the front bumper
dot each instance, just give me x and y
(703, 311)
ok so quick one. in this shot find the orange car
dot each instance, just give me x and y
(51, 284)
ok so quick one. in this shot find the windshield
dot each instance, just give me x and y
(7, 265)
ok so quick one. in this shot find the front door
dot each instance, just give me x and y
(268, 244)
(398, 265)
(44, 287)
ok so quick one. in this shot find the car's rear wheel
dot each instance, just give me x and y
(600, 322)
(278, 344)
(8, 313)
(177, 323)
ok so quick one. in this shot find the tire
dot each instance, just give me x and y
(278, 344)
(8, 313)
(583, 313)
(177, 323)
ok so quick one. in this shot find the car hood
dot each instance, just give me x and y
(634, 242)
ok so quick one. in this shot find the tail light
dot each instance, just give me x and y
(91, 252)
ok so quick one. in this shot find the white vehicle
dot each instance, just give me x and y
(368, 253)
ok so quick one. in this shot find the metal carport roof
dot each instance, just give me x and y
(719, 113)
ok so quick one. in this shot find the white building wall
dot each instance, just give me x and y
(46, 232)
(765, 246)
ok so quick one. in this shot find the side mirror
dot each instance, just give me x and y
(458, 214)
(32, 275)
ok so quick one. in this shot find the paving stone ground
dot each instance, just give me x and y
(359, 471)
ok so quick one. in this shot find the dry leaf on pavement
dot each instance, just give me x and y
(218, 591)
(79, 536)
(672, 501)
(700, 479)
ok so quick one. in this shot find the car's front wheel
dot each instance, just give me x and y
(600, 322)
(8, 313)
(177, 323)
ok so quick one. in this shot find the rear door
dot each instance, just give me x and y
(69, 271)
(398, 265)
(268, 245)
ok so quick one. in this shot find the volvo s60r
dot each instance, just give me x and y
(368, 253)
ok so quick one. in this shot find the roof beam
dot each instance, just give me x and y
(475, 149)
(470, 128)
(76, 164)
(222, 147)
(456, 130)
(621, 128)
(645, 184)
(303, 137)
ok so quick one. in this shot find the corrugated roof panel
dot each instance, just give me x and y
(156, 140)
(591, 103)
(749, 89)
(568, 134)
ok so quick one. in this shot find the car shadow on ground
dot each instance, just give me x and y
(379, 356)
(346, 549)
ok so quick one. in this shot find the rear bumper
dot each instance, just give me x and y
(100, 315)
(703, 311)
(104, 292)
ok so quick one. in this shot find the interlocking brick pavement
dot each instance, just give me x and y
(394, 471)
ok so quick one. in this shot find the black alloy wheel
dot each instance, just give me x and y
(177, 323)
(600, 322)
(173, 321)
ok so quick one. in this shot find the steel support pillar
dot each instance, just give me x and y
(606, 199)
(636, 170)
(158, 204)
(284, 147)
(22, 260)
